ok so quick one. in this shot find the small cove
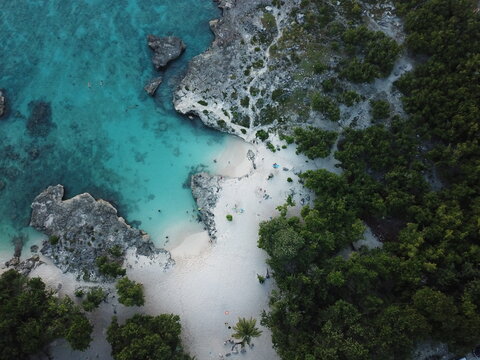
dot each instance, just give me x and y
(85, 63)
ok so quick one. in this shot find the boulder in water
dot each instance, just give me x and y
(165, 49)
(153, 85)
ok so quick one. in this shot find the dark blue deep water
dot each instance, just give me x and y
(74, 72)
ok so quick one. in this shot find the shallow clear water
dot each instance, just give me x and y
(88, 60)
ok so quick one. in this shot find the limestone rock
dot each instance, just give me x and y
(205, 188)
(165, 49)
(81, 229)
(153, 85)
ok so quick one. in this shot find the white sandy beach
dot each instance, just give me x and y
(211, 285)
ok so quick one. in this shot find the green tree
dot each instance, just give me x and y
(314, 142)
(32, 317)
(94, 297)
(246, 330)
(130, 293)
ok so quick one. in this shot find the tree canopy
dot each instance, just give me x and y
(32, 317)
(130, 293)
(414, 181)
(145, 337)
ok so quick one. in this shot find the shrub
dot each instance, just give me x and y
(326, 106)
(349, 98)
(379, 109)
(268, 21)
(116, 251)
(261, 279)
(245, 102)
(262, 135)
(277, 94)
(147, 337)
(130, 293)
(229, 217)
(203, 103)
(109, 268)
(53, 239)
(93, 299)
(314, 142)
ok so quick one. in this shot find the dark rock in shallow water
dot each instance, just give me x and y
(153, 85)
(26, 266)
(3, 103)
(82, 229)
(165, 49)
(18, 242)
(39, 122)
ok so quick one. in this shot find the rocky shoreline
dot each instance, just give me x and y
(82, 229)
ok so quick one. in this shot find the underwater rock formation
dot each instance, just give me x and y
(3, 103)
(39, 122)
(82, 229)
(165, 49)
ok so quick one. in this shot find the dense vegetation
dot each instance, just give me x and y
(314, 142)
(145, 337)
(415, 183)
(31, 317)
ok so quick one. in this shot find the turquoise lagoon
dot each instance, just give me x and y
(88, 60)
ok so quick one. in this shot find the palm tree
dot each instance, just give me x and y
(245, 330)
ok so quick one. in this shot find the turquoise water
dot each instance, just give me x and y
(86, 62)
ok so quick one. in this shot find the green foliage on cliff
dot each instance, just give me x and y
(145, 337)
(415, 183)
(31, 317)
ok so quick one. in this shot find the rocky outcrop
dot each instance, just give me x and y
(3, 103)
(261, 69)
(205, 189)
(165, 49)
(81, 229)
(26, 266)
(153, 85)
(223, 85)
